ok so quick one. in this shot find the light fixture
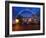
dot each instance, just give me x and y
(17, 20)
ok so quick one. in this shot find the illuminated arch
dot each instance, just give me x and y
(23, 11)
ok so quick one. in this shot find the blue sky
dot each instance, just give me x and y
(17, 11)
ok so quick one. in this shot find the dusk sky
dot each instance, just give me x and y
(25, 11)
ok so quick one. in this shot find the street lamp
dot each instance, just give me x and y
(17, 20)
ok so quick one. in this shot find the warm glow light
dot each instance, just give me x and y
(16, 20)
